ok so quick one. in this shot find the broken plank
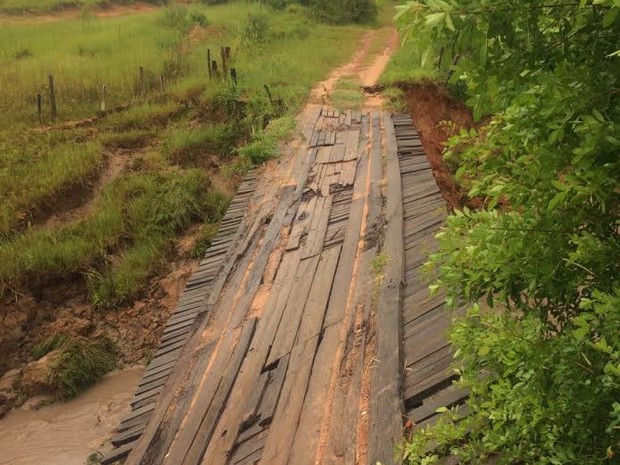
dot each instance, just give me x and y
(272, 392)
(301, 223)
(286, 418)
(317, 228)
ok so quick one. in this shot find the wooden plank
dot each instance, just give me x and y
(448, 397)
(385, 410)
(155, 440)
(227, 429)
(431, 365)
(269, 401)
(139, 420)
(196, 451)
(205, 392)
(347, 173)
(316, 305)
(417, 391)
(344, 272)
(127, 436)
(247, 448)
(289, 324)
(252, 459)
(351, 140)
(154, 383)
(310, 122)
(136, 413)
(146, 395)
(307, 434)
(117, 454)
(286, 419)
(302, 222)
(337, 152)
(153, 372)
(251, 414)
(323, 155)
(317, 228)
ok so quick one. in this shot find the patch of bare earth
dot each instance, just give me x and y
(438, 116)
(61, 306)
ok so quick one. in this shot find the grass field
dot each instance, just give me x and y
(39, 7)
(171, 142)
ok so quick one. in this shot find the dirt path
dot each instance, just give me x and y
(365, 68)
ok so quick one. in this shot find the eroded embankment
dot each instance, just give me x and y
(438, 116)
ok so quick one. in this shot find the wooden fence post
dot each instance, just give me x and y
(103, 92)
(233, 75)
(224, 63)
(214, 68)
(142, 82)
(52, 96)
(162, 82)
(227, 50)
(39, 108)
(209, 64)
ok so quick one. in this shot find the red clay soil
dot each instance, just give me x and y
(438, 116)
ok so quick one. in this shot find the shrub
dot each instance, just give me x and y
(344, 11)
(544, 252)
(256, 29)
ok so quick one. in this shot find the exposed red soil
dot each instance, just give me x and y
(438, 116)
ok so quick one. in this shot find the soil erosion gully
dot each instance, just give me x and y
(307, 335)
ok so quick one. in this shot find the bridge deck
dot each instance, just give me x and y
(307, 334)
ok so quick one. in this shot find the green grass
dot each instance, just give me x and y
(166, 136)
(187, 146)
(78, 364)
(348, 94)
(34, 168)
(81, 363)
(405, 65)
(134, 210)
(83, 54)
(19, 7)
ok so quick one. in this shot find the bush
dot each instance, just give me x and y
(344, 11)
(256, 29)
(540, 358)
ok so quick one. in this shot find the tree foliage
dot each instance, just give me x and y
(539, 266)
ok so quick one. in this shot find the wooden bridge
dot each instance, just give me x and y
(307, 335)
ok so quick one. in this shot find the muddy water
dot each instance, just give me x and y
(66, 433)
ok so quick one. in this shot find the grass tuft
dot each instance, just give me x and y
(81, 363)
(49, 344)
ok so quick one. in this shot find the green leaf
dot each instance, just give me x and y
(555, 201)
(559, 186)
(449, 23)
(435, 18)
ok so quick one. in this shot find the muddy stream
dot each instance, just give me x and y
(67, 433)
